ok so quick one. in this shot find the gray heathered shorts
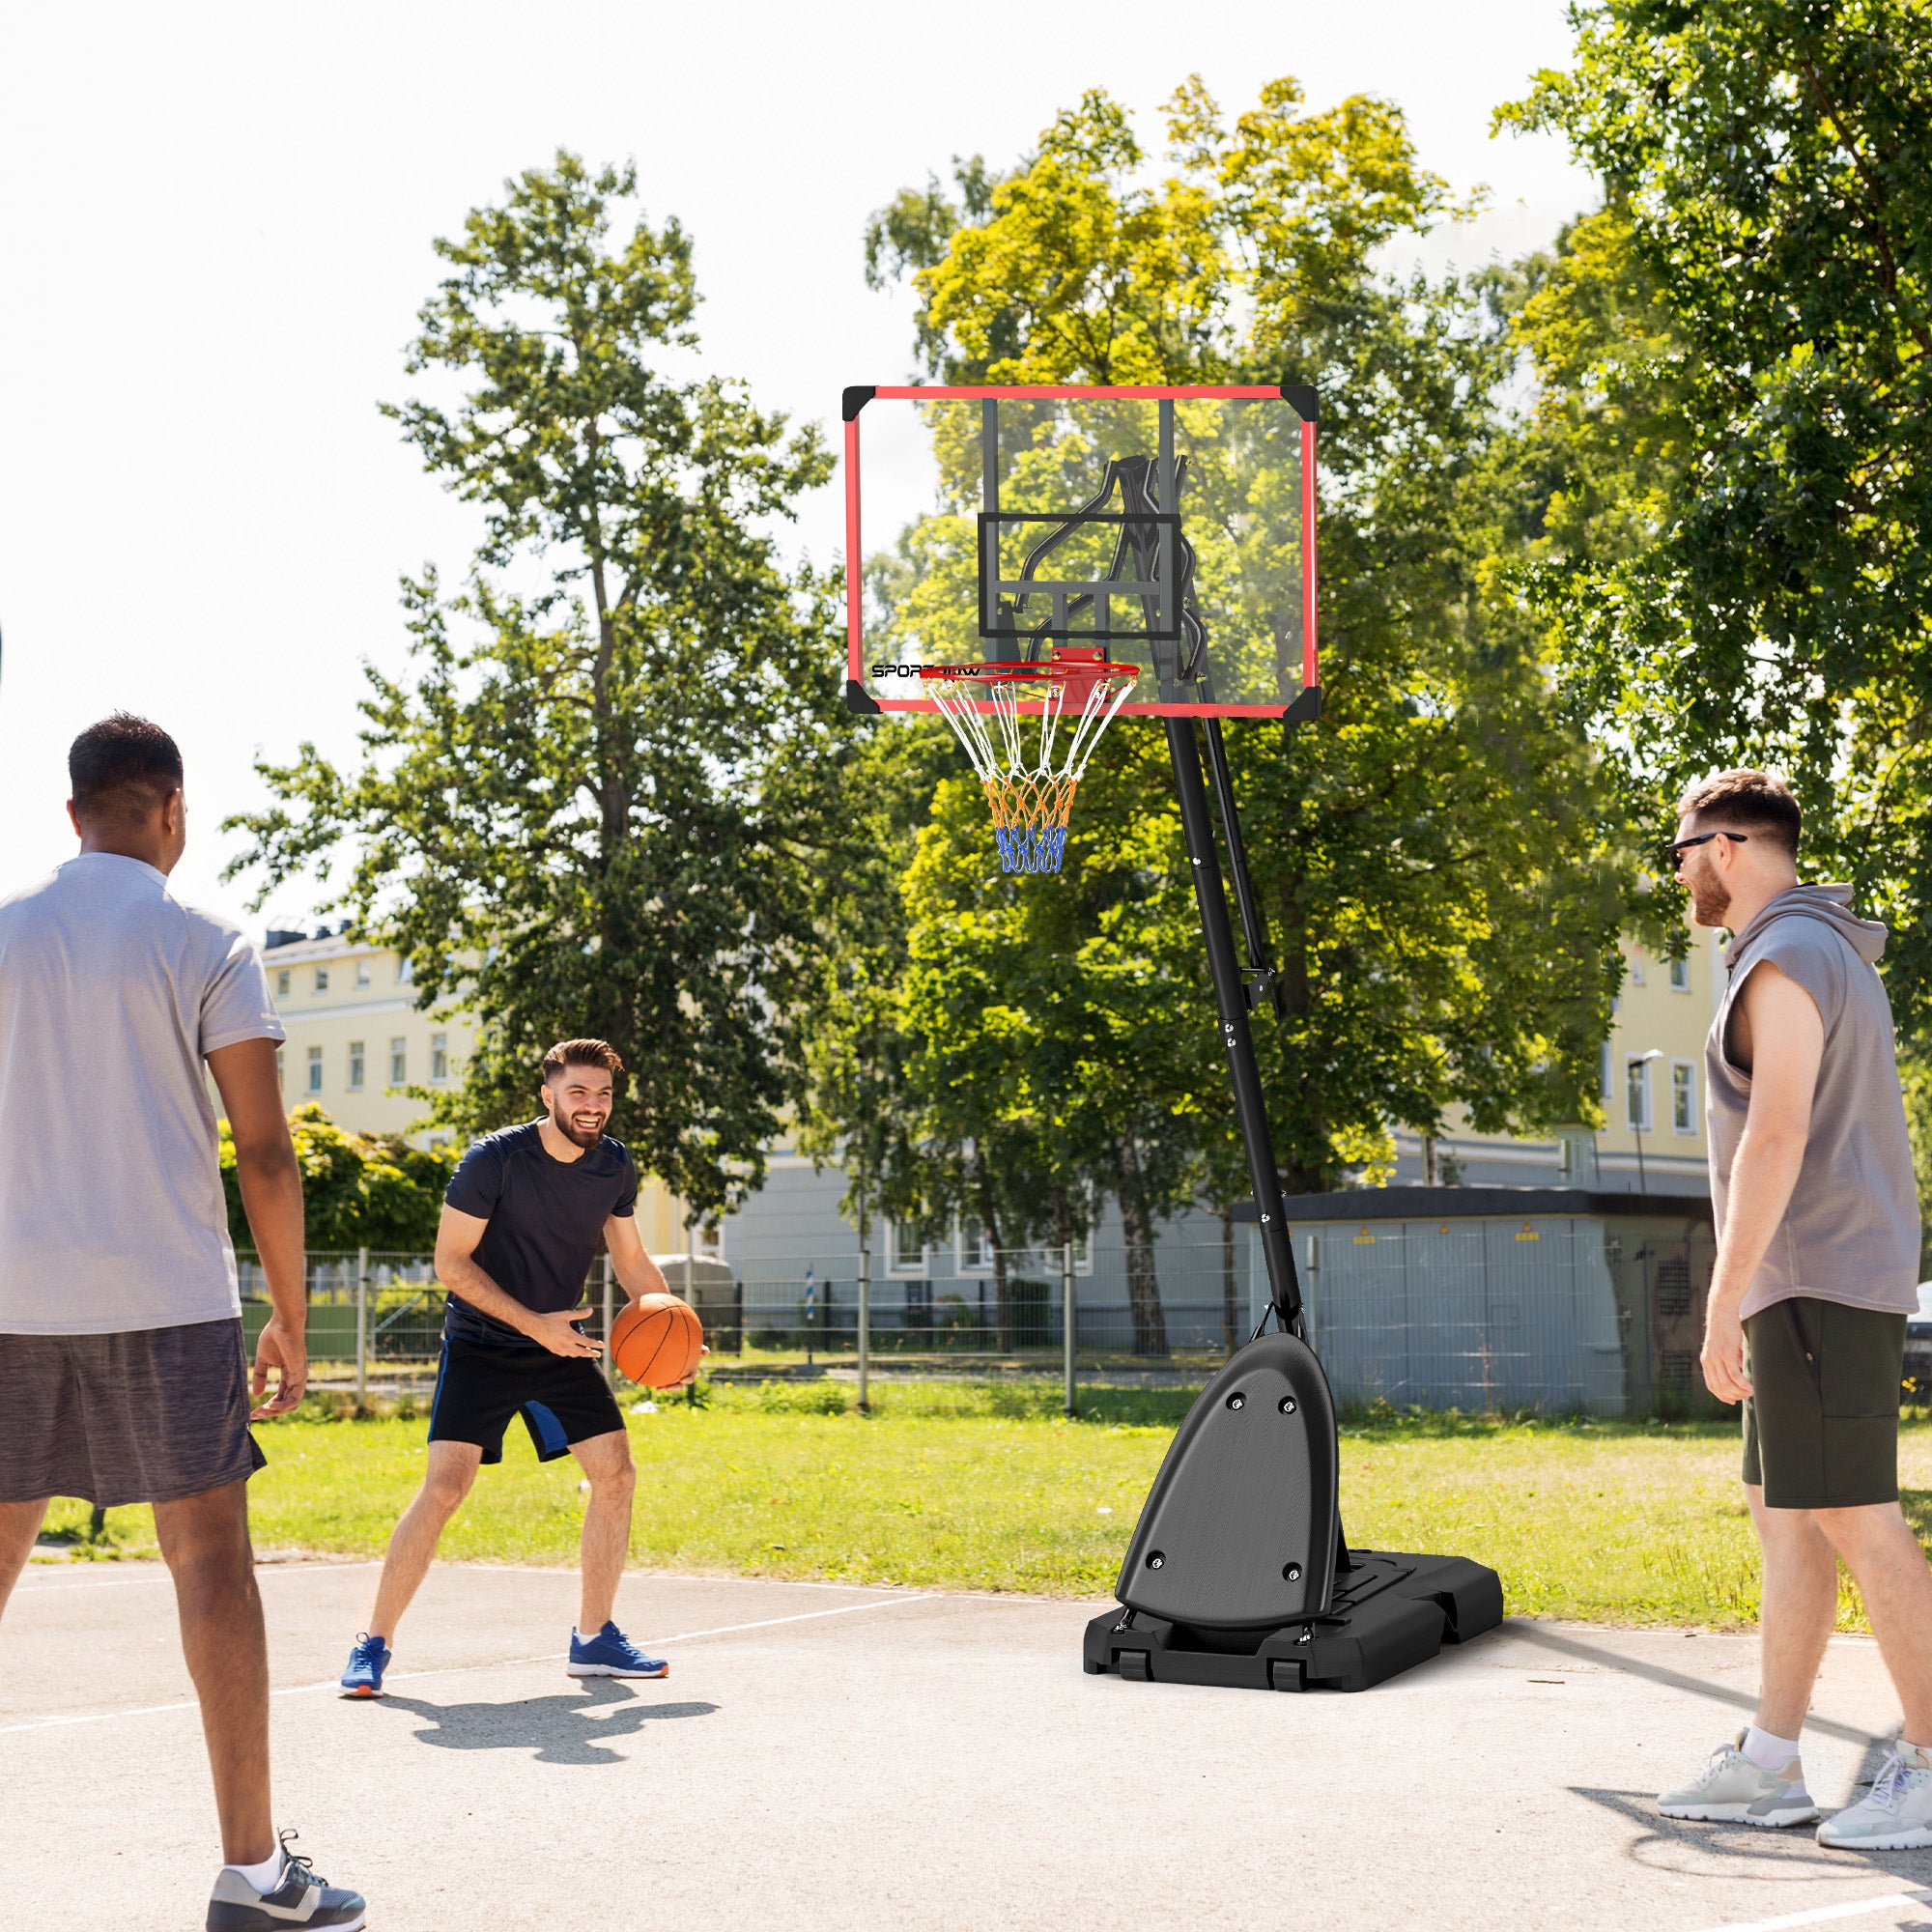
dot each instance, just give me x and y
(147, 1416)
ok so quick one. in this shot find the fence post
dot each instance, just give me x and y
(361, 1327)
(609, 1373)
(865, 1317)
(1067, 1317)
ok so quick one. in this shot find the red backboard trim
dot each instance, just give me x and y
(1077, 393)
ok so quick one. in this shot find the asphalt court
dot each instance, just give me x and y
(824, 1756)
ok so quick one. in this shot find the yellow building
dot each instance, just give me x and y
(358, 1040)
(1651, 1082)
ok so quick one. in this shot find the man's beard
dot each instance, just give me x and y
(1709, 901)
(583, 1137)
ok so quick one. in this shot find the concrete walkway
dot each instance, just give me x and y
(832, 1757)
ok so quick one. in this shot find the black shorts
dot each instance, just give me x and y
(1821, 1426)
(562, 1399)
(149, 1415)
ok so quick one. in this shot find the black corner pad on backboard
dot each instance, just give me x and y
(1299, 396)
(858, 698)
(1306, 708)
(860, 395)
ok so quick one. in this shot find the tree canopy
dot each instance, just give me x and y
(599, 806)
(1743, 338)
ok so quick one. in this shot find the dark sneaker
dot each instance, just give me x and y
(611, 1654)
(301, 1897)
(367, 1663)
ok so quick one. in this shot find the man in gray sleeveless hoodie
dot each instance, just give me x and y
(1818, 1243)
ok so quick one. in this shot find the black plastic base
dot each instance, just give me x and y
(1390, 1613)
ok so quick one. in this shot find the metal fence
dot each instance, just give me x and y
(1559, 1315)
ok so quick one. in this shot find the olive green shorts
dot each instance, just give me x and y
(1821, 1426)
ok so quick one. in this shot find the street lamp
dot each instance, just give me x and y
(1637, 1115)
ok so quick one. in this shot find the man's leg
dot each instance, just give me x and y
(1801, 1604)
(450, 1468)
(205, 1542)
(1891, 1573)
(20, 1524)
(607, 1524)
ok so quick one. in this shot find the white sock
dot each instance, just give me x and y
(1923, 1750)
(1766, 1752)
(266, 1876)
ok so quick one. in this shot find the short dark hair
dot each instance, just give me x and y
(580, 1053)
(124, 767)
(1754, 802)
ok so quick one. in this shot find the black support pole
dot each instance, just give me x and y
(1231, 1000)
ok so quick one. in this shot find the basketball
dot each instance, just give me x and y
(655, 1340)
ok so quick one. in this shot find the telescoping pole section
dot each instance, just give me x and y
(1231, 1001)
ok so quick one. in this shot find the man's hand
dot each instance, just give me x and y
(557, 1334)
(1724, 1356)
(703, 1349)
(284, 1349)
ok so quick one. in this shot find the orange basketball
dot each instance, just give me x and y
(655, 1341)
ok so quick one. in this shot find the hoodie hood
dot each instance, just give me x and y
(1831, 904)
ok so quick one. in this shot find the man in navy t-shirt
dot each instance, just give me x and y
(521, 1224)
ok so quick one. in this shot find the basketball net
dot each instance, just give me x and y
(1075, 695)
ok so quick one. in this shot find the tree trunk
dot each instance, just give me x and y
(989, 1232)
(1143, 1283)
(1229, 1321)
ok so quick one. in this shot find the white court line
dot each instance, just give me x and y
(1851, 1908)
(163, 1576)
(457, 1669)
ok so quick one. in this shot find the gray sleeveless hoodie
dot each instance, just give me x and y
(1851, 1233)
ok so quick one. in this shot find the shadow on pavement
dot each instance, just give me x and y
(559, 1730)
(1679, 1680)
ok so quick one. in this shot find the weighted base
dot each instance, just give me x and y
(1390, 1613)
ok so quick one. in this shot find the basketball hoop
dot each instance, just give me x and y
(1031, 801)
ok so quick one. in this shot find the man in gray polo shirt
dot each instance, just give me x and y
(123, 1378)
(1818, 1243)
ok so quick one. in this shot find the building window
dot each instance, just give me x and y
(282, 983)
(362, 975)
(322, 979)
(357, 1060)
(399, 1062)
(971, 1247)
(315, 1069)
(1634, 974)
(1637, 1095)
(1680, 975)
(1683, 1097)
(1606, 1091)
(438, 1057)
(406, 972)
(905, 1253)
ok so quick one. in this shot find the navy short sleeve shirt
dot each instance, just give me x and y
(546, 1218)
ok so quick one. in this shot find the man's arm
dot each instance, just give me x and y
(271, 1196)
(457, 1268)
(1787, 1045)
(636, 1272)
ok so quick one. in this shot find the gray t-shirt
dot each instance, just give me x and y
(112, 994)
(1851, 1233)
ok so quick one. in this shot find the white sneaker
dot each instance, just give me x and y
(1733, 1790)
(1897, 1816)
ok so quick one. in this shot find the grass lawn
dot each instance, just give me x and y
(989, 1488)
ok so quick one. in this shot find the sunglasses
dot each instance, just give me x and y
(1673, 853)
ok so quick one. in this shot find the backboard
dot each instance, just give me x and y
(1167, 529)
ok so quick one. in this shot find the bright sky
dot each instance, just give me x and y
(217, 224)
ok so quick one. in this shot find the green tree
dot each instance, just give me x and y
(1766, 597)
(1438, 859)
(359, 1190)
(598, 809)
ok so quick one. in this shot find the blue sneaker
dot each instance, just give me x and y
(611, 1654)
(367, 1662)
